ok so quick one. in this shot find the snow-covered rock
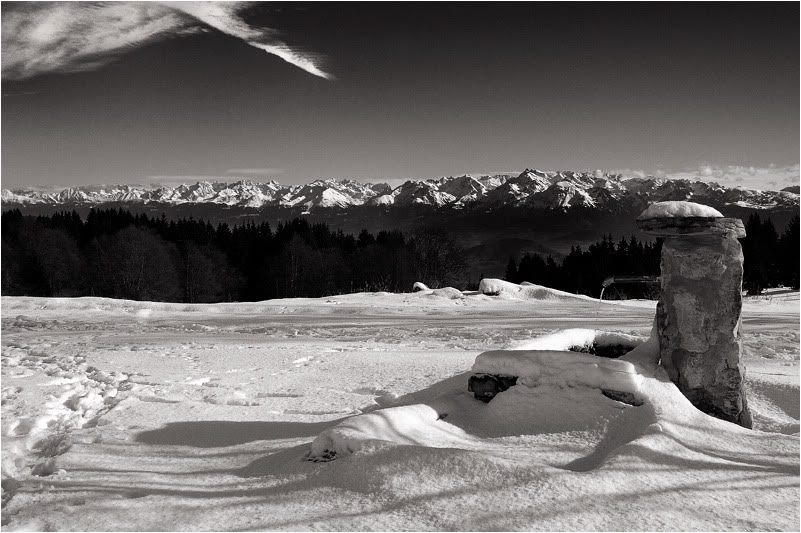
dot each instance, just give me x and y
(494, 287)
(569, 338)
(530, 291)
(560, 368)
(448, 292)
(675, 209)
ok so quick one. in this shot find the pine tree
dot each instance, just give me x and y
(789, 255)
(511, 271)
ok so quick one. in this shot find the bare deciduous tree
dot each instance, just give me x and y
(436, 259)
(135, 264)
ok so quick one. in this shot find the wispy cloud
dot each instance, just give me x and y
(222, 17)
(75, 36)
(38, 38)
(23, 93)
(771, 177)
(175, 180)
(256, 171)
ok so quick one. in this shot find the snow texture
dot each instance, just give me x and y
(678, 209)
(120, 416)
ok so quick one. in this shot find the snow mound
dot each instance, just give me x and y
(555, 391)
(531, 291)
(418, 424)
(494, 287)
(448, 292)
(562, 369)
(678, 209)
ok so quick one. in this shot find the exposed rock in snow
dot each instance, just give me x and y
(464, 189)
(562, 194)
(486, 386)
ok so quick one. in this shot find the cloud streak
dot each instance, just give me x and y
(40, 38)
(772, 177)
(222, 17)
(256, 171)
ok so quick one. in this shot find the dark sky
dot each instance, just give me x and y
(421, 90)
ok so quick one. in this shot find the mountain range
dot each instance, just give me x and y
(531, 189)
(493, 217)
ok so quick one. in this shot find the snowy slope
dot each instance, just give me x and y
(121, 415)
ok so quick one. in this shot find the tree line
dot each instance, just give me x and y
(769, 260)
(582, 271)
(117, 254)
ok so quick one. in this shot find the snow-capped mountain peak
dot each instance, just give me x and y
(530, 189)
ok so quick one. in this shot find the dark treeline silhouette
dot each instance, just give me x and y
(117, 254)
(770, 260)
(583, 271)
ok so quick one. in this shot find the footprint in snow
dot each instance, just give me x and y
(159, 399)
(369, 391)
(278, 395)
(319, 413)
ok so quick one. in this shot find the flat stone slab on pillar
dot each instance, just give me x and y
(678, 226)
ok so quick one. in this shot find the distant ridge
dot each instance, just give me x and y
(532, 189)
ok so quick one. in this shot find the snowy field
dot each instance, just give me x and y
(121, 415)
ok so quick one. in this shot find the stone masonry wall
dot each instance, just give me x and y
(698, 319)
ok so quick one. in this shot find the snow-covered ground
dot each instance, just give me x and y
(120, 415)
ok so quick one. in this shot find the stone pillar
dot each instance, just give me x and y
(698, 314)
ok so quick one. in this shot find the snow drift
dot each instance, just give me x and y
(529, 291)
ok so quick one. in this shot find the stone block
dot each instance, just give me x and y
(698, 314)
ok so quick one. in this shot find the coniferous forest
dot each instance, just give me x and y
(583, 271)
(117, 254)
